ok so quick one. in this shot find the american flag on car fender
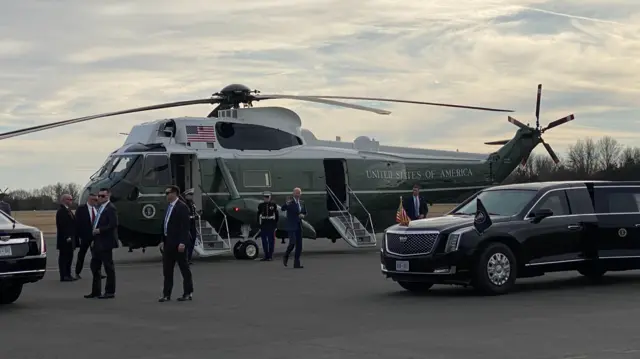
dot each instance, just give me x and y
(201, 134)
(401, 215)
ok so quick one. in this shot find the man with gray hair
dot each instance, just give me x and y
(296, 211)
(67, 240)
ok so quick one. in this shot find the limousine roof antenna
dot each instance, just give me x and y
(537, 132)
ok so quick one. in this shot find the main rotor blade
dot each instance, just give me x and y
(324, 101)
(501, 142)
(538, 105)
(516, 122)
(524, 160)
(551, 153)
(558, 122)
(413, 102)
(49, 126)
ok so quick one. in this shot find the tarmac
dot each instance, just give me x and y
(338, 306)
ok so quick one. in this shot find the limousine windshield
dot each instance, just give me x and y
(499, 202)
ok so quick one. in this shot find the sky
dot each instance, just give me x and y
(62, 59)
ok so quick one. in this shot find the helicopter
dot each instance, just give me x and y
(236, 153)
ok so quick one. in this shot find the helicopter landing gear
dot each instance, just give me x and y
(246, 248)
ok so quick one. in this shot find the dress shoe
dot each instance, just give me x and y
(102, 276)
(185, 298)
(264, 259)
(91, 296)
(107, 296)
(298, 266)
(67, 279)
(164, 299)
(285, 259)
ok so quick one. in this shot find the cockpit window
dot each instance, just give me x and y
(240, 136)
(499, 202)
(104, 170)
(125, 166)
(156, 171)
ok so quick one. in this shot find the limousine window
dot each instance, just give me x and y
(617, 200)
(556, 201)
(500, 203)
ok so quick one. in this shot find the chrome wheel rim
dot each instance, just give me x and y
(250, 251)
(498, 269)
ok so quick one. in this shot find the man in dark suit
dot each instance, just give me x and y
(105, 240)
(4, 206)
(416, 205)
(175, 243)
(67, 239)
(296, 211)
(85, 217)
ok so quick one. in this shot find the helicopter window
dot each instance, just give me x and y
(240, 136)
(156, 171)
(256, 178)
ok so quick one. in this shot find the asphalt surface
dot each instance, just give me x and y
(338, 306)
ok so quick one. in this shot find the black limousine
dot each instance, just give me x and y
(521, 230)
(23, 257)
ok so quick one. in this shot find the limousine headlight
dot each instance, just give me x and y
(453, 240)
(383, 242)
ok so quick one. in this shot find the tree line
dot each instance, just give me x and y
(602, 159)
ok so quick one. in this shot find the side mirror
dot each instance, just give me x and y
(541, 214)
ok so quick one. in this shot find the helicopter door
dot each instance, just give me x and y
(335, 173)
(185, 171)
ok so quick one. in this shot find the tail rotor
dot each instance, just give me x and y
(537, 131)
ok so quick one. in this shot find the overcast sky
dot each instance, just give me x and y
(70, 58)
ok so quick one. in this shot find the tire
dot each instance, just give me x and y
(491, 276)
(236, 250)
(10, 292)
(249, 250)
(416, 287)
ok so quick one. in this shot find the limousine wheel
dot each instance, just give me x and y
(495, 271)
(9, 293)
(416, 287)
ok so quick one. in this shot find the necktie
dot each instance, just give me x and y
(166, 218)
(416, 205)
(93, 215)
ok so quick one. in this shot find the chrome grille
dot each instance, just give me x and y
(409, 243)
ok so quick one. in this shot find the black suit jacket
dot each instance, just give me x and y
(84, 227)
(409, 207)
(107, 239)
(178, 226)
(65, 228)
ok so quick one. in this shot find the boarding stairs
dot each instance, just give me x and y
(209, 242)
(350, 228)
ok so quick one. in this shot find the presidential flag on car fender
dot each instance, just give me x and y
(482, 220)
(401, 215)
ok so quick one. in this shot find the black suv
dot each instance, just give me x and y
(23, 257)
(515, 231)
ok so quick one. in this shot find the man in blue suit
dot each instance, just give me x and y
(416, 205)
(296, 211)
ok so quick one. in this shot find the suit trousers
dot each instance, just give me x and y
(103, 258)
(82, 254)
(65, 259)
(170, 257)
(268, 237)
(295, 242)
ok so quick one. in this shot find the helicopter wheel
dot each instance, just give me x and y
(249, 249)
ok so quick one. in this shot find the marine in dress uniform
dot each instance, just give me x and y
(193, 216)
(268, 219)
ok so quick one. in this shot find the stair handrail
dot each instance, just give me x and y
(369, 219)
(336, 200)
(225, 222)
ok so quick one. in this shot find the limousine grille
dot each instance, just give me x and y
(411, 243)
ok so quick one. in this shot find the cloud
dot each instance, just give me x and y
(72, 58)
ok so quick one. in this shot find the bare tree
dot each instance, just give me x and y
(73, 189)
(629, 156)
(582, 157)
(544, 167)
(609, 151)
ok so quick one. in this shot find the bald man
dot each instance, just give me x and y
(296, 211)
(67, 240)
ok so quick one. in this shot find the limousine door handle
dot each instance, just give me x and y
(637, 224)
(574, 227)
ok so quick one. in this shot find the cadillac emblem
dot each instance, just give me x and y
(5, 238)
(622, 232)
(403, 239)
